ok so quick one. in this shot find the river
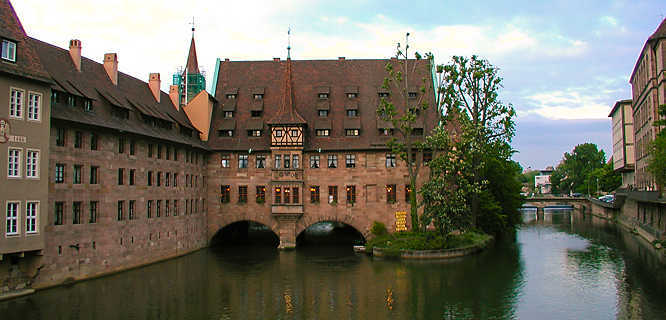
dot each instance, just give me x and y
(566, 266)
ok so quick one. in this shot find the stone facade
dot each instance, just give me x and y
(623, 141)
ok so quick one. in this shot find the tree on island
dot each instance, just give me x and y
(657, 160)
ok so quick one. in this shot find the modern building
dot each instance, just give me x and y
(623, 141)
(25, 92)
(542, 181)
(648, 86)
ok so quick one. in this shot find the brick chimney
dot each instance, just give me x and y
(111, 66)
(173, 94)
(154, 83)
(75, 53)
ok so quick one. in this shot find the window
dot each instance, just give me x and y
(256, 114)
(8, 50)
(133, 148)
(225, 195)
(159, 178)
(323, 113)
(76, 212)
(93, 141)
(149, 209)
(131, 177)
(175, 179)
(77, 174)
(150, 178)
(12, 218)
(261, 162)
(323, 96)
(31, 213)
(287, 161)
(231, 96)
(158, 209)
(121, 214)
(295, 161)
(287, 195)
(14, 163)
(390, 160)
(242, 161)
(417, 132)
(278, 195)
(150, 150)
(78, 139)
(294, 133)
(121, 176)
(295, 196)
(332, 161)
(383, 94)
(34, 106)
(427, 157)
(175, 154)
(225, 133)
(60, 137)
(258, 96)
(225, 161)
(187, 180)
(278, 133)
(278, 161)
(351, 194)
(71, 100)
(322, 132)
(159, 151)
(175, 208)
(32, 164)
(412, 95)
(352, 132)
(314, 162)
(59, 213)
(352, 95)
(87, 105)
(121, 144)
(92, 218)
(350, 160)
(385, 132)
(408, 192)
(254, 133)
(332, 194)
(242, 194)
(261, 194)
(390, 193)
(228, 114)
(59, 173)
(352, 113)
(16, 103)
(132, 203)
(314, 194)
(93, 174)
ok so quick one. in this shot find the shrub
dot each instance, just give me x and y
(378, 229)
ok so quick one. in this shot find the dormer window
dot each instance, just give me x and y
(231, 96)
(352, 113)
(258, 96)
(385, 132)
(323, 113)
(256, 114)
(294, 133)
(383, 94)
(254, 133)
(278, 133)
(87, 105)
(228, 114)
(323, 132)
(352, 132)
(8, 50)
(413, 95)
(352, 95)
(225, 133)
(323, 96)
(71, 100)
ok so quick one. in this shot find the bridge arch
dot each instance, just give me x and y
(362, 227)
(216, 232)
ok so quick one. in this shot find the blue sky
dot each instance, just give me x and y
(564, 63)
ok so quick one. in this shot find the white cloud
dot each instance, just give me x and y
(572, 103)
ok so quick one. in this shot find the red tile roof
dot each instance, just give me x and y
(27, 62)
(287, 114)
(309, 78)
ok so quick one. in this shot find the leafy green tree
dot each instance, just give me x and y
(605, 178)
(470, 93)
(501, 199)
(527, 178)
(657, 160)
(573, 174)
(403, 118)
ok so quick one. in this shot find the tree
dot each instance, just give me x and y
(573, 174)
(528, 178)
(657, 161)
(606, 178)
(470, 92)
(403, 118)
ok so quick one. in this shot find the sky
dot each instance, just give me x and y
(564, 63)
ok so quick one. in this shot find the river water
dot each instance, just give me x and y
(563, 266)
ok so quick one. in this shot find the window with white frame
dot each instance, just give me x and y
(16, 103)
(31, 212)
(8, 50)
(12, 218)
(32, 164)
(34, 106)
(14, 163)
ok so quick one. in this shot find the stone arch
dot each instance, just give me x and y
(362, 226)
(217, 227)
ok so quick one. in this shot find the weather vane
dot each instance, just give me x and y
(192, 23)
(289, 43)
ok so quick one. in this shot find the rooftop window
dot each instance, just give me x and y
(258, 96)
(231, 96)
(8, 50)
(323, 96)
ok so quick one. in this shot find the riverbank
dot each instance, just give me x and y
(429, 245)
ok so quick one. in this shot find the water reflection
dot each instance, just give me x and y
(559, 265)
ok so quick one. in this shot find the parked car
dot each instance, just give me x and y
(607, 198)
(576, 194)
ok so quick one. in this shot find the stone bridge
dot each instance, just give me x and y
(541, 203)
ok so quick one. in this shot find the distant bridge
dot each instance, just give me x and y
(541, 203)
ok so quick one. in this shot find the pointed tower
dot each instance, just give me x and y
(191, 81)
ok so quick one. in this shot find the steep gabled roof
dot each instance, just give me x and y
(287, 113)
(27, 62)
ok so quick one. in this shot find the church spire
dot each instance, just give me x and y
(287, 113)
(192, 66)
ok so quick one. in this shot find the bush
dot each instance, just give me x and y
(425, 241)
(378, 229)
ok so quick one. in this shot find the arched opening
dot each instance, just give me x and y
(330, 233)
(245, 233)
